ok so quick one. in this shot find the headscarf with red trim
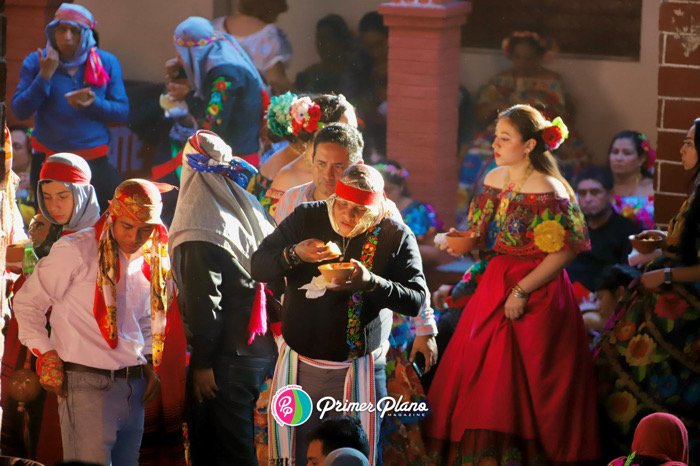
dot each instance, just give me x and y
(362, 185)
(73, 171)
(138, 201)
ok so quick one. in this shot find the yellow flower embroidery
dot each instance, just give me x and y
(549, 236)
(640, 350)
(622, 407)
(213, 109)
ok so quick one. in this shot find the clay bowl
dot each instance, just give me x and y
(462, 242)
(15, 253)
(646, 243)
(338, 270)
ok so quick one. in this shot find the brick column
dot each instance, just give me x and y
(679, 100)
(25, 32)
(5, 165)
(424, 47)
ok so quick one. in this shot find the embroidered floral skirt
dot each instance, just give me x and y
(648, 360)
(515, 392)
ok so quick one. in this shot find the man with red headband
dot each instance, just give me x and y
(73, 89)
(110, 289)
(334, 338)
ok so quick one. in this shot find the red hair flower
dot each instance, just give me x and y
(555, 133)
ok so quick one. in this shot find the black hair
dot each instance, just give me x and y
(614, 276)
(392, 175)
(340, 432)
(688, 244)
(373, 21)
(345, 136)
(338, 27)
(637, 139)
(598, 173)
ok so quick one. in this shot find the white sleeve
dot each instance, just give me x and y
(52, 277)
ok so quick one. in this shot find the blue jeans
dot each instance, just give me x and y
(221, 430)
(102, 419)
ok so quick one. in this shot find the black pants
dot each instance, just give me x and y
(221, 430)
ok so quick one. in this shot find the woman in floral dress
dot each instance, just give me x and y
(648, 358)
(515, 385)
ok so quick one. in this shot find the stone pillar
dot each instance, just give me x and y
(679, 100)
(25, 32)
(423, 89)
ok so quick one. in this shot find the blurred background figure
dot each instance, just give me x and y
(266, 44)
(631, 159)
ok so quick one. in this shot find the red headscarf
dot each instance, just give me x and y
(662, 436)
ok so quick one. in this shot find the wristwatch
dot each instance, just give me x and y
(668, 277)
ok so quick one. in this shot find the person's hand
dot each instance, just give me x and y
(205, 387)
(440, 295)
(153, 386)
(177, 92)
(313, 250)
(52, 376)
(172, 68)
(360, 279)
(515, 307)
(426, 345)
(80, 104)
(446, 247)
(653, 279)
(48, 63)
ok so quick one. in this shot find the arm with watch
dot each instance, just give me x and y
(669, 276)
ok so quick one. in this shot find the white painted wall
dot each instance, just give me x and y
(611, 95)
(140, 32)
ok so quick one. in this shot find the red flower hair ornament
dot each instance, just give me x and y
(554, 133)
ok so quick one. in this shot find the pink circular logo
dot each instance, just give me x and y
(291, 406)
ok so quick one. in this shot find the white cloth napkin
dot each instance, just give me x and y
(317, 287)
(636, 258)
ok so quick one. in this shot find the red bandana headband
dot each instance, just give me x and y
(358, 196)
(68, 14)
(62, 172)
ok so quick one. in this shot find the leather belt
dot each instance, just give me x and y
(130, 372)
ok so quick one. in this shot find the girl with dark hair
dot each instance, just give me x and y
(648, 357)
(516, 381)
(631, 159)
(529, 82)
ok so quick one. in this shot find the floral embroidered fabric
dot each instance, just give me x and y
(529, 224)
(639, 209)
(421, 219)
(219, 94)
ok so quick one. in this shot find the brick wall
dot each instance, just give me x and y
(679, 99)
(26, 20)
(423, 92)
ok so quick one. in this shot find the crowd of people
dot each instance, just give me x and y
(291, 269)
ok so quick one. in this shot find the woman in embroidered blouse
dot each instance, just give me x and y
(648, 358)
(526, 82)
(631, 160)
(516, 381)
(267, 45)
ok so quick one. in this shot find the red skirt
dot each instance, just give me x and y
(520, 391)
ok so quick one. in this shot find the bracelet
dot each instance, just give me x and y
(290, 256)
(518, 292)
